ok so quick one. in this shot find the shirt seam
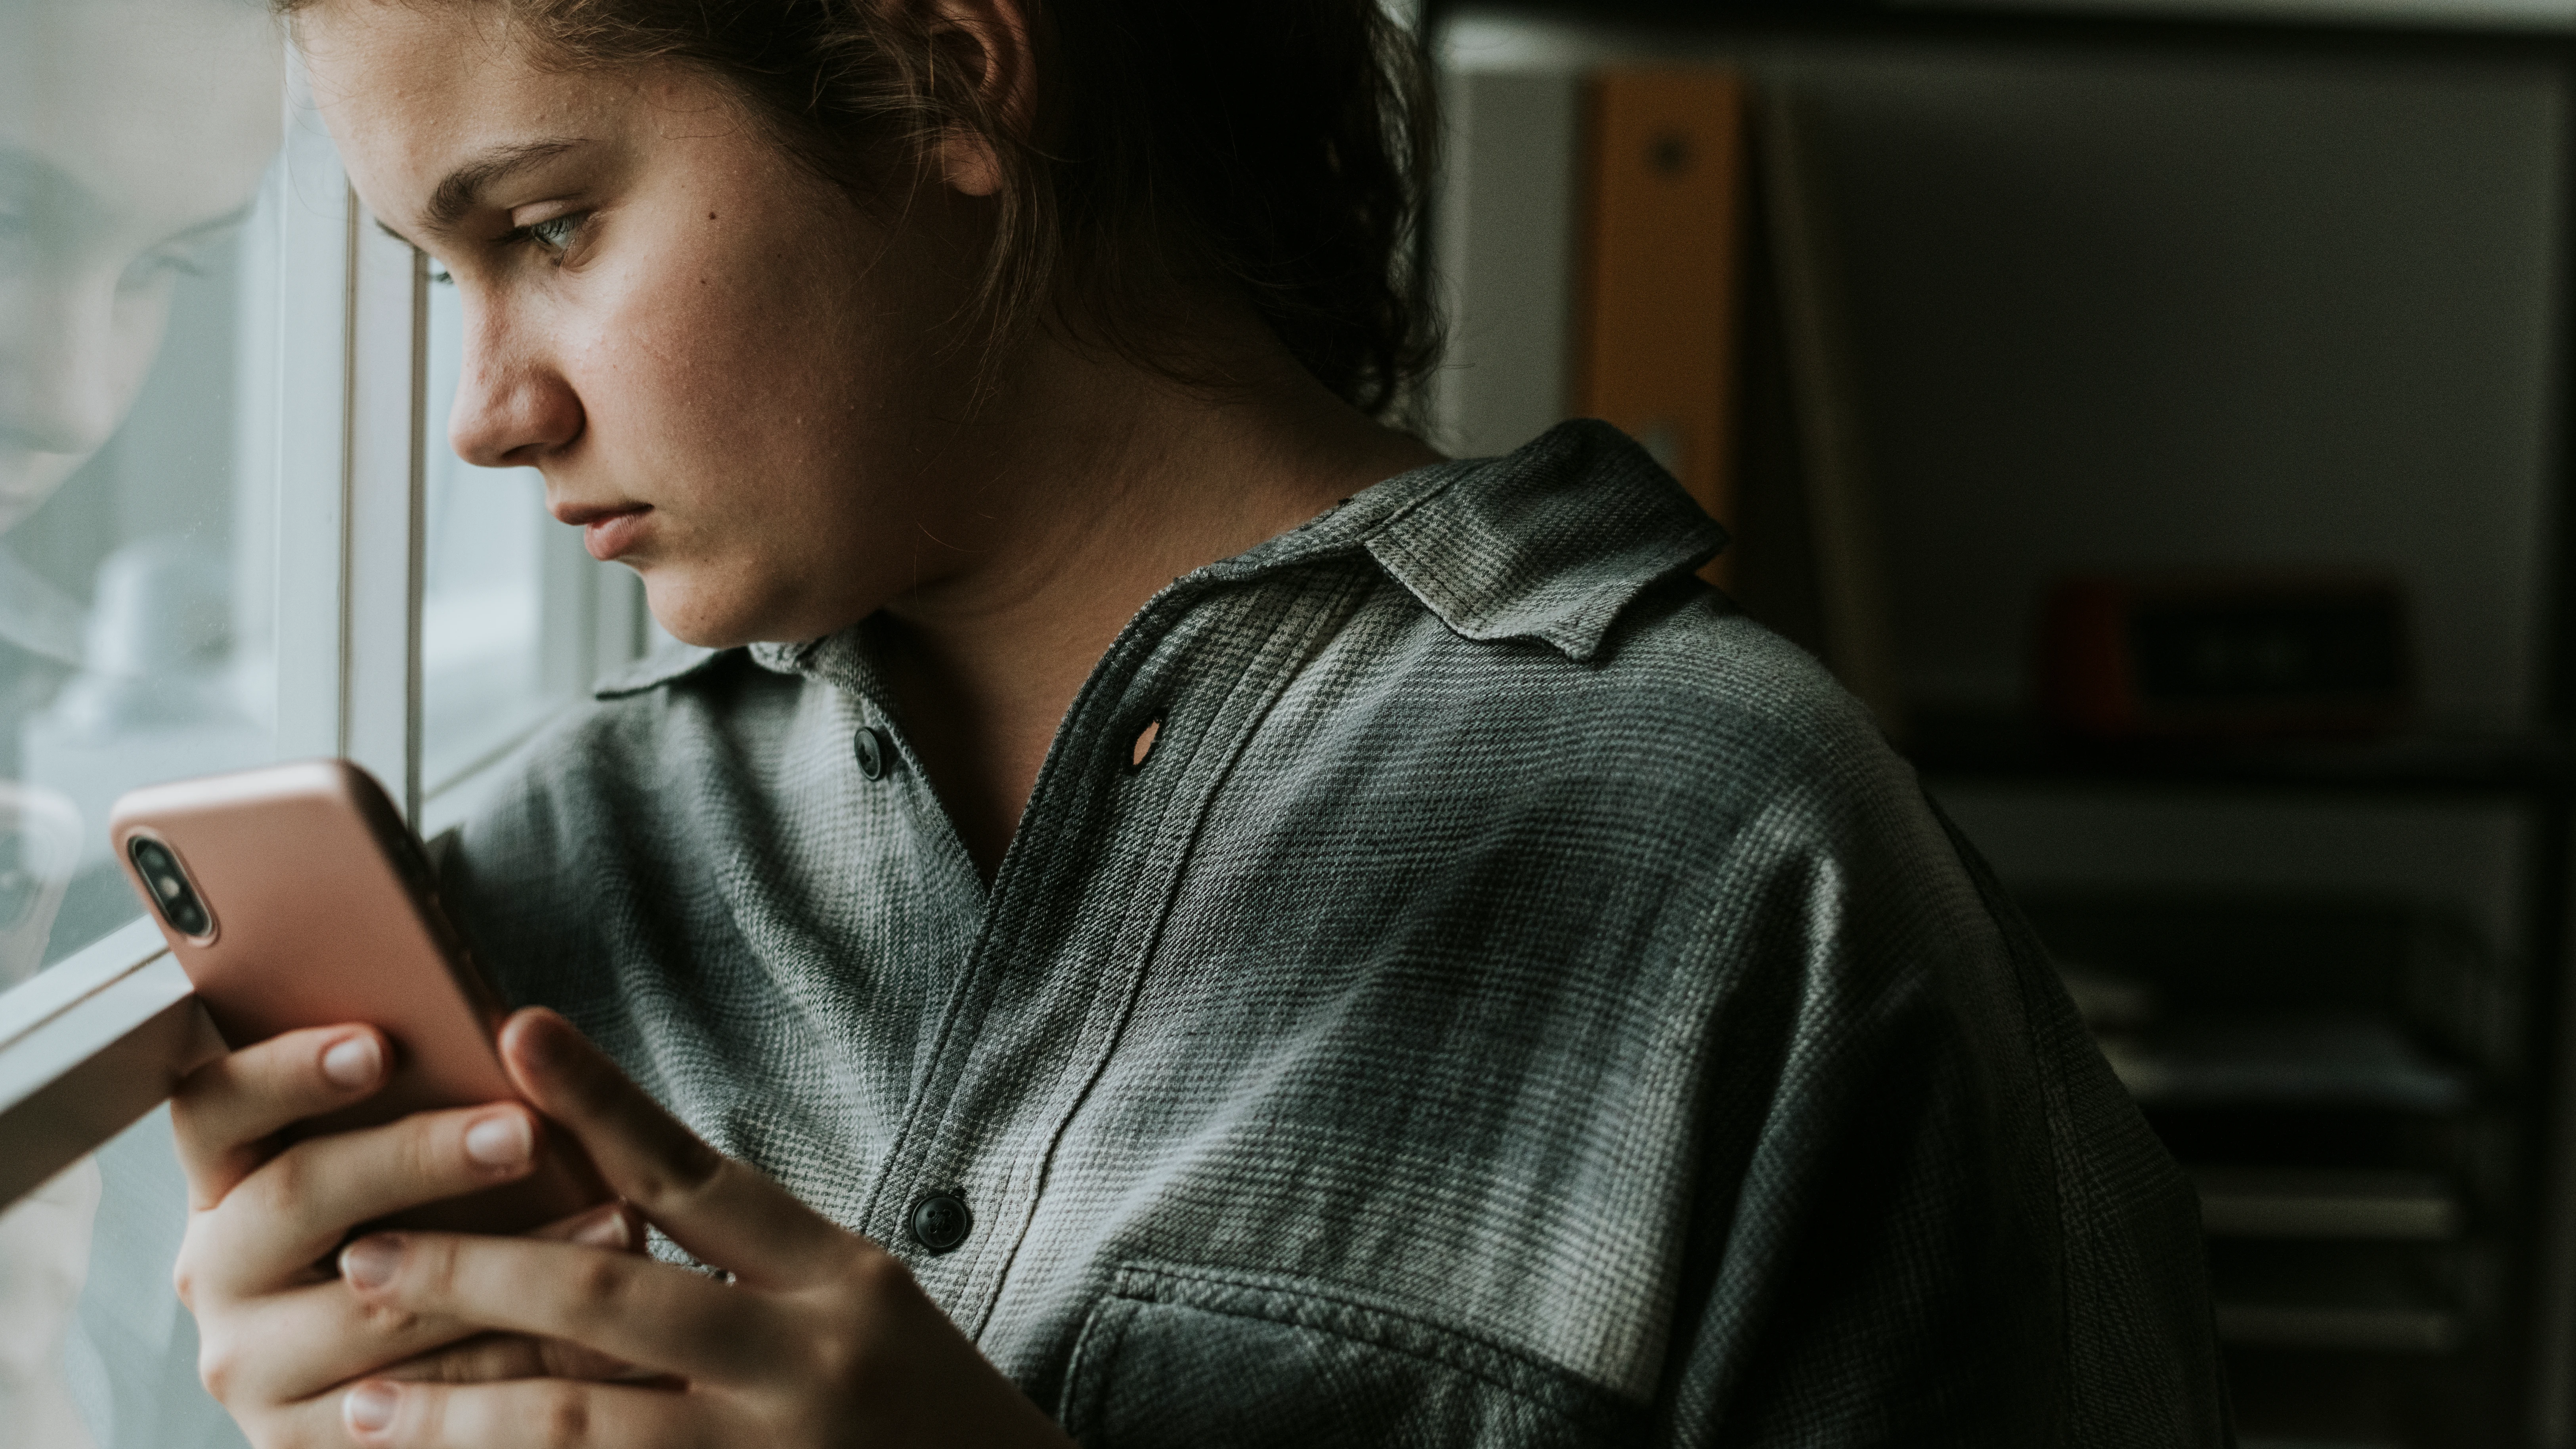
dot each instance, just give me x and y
(1180, 841)
(925, 1122)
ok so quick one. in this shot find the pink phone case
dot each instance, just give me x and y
(319, 907)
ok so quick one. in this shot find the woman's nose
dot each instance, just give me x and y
(73, 351)
(512, 409)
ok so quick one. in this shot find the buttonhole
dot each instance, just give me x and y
(1144, 746)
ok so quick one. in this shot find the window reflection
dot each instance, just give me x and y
(139, 211)
(44, 1255)
(134, 135)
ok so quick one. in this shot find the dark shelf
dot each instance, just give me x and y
(2004, 747)
(2149, 26)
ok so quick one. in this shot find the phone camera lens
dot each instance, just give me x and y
(169, 886)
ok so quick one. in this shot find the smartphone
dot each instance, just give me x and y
(294, 896)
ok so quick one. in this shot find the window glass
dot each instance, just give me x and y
(134, 138)
(44, 1255)
(95, 1350)
(516, 617)
(482, 663)
(143, 212)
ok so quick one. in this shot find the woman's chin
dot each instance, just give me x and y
(738, 599)
(694, 614)
(28, 479)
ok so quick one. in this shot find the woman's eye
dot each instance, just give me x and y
(556, 232)
(437, 271)
(153, 267)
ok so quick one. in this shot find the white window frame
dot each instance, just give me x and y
(90, 1045)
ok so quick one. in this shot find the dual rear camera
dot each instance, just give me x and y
(171, 892)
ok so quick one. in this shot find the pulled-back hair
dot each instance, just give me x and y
(1276, 145)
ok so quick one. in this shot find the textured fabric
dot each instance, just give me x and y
(1519, 1001)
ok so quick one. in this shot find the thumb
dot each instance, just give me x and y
(724, 1211)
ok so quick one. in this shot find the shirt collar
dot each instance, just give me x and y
(1549, 543)
(663, 666)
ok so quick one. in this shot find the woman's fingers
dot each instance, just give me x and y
(615, 1225)
(301, 1203)
(489, 1357)
(528, 1414)
(294, 1344)
(227, 1109)
(652, 1315)
(495, 1357)
(722, 1210)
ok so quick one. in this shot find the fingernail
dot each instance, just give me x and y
(606, 1230)
(368, 1408)
(538, 1046)
(500, 1140)
(370, 1262)
(353, 1063)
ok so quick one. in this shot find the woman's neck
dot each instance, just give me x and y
(1109, 482)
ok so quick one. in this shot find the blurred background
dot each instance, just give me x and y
(2156, 413)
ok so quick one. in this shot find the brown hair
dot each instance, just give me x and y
(1276, 145)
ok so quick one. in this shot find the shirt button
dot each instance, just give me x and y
(871, 748)
(940, 1222)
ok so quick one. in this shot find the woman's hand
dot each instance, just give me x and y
(279, 1331)
(821, 1338)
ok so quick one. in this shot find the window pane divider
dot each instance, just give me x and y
(52, 992)
(108, 1038)
(384, 486)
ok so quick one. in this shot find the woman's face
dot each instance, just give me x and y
(725, 372)
(132, 135)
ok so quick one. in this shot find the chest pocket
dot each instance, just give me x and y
(1175, 1357)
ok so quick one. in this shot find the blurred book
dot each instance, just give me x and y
(2366, 1329)
(2371, 1300)
(1827, 433)
(2224, 655)
(1663, 249)
(1505, 251)
(2253, 1202)
(2322, 1060)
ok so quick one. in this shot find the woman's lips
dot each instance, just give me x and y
(608, 532)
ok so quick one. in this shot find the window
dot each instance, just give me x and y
(230, 531)
(517, 619)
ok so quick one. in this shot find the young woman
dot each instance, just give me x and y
(1161, 911)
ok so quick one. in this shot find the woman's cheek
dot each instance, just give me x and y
(142, 318)
(73, 354)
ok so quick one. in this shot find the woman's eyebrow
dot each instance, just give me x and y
(212, 225)
(462, 189)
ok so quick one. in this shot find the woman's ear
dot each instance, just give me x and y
(990, 38)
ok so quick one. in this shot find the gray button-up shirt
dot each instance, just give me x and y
(1517, 1001)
